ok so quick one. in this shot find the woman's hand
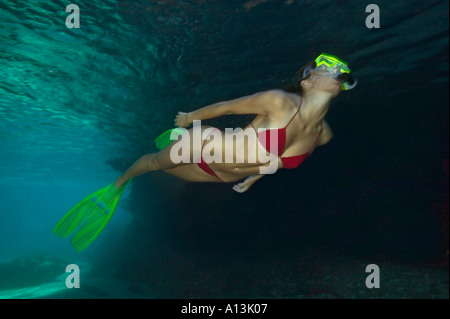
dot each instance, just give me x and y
(245, 185)
(241, 187)
(182, 119)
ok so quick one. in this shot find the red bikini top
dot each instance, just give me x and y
(291, 161)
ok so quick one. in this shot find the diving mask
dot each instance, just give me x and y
(334, 67)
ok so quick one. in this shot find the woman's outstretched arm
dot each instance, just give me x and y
(264, 103)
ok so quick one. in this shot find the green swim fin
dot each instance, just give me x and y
(164, 138)
(92, 214)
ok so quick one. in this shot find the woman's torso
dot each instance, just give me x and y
(249, 154)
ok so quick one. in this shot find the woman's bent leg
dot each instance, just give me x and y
(148, 163)
(143, 165)
(162, 161)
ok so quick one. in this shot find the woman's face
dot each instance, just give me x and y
(325, 82)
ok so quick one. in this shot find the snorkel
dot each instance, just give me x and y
(334, 67)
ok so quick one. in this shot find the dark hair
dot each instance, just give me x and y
(296, 87)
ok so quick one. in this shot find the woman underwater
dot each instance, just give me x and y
(298, 119)
(286, 129)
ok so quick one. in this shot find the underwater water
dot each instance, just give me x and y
(78, 106)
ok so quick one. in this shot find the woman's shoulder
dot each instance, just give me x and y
(281, 99)
(279, 93)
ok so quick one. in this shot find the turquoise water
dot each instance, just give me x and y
(78, 106)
